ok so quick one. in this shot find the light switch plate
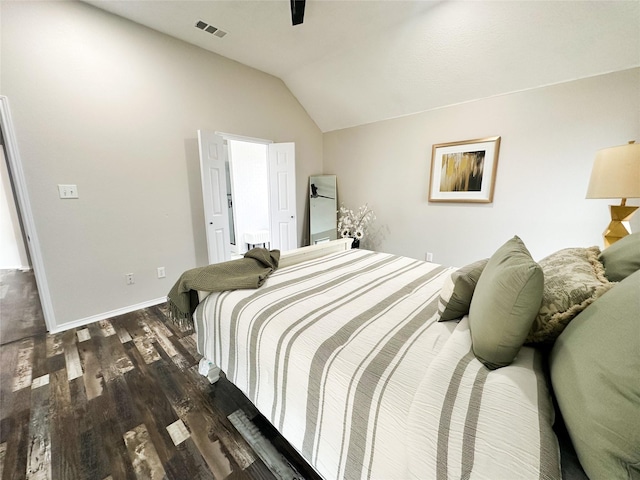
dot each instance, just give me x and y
(68, 191)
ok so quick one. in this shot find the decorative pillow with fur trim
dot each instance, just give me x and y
(573, 278)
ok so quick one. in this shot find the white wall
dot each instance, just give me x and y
(12, 249)
(114, 107)
(549, 139)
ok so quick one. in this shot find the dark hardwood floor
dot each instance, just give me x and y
(122, 399)
(19, 306)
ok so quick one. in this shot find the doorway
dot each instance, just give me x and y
(13, 254)
(248, 166)
(20, 311)
(249, 194)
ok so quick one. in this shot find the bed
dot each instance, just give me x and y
(373, 365)
(345, 356)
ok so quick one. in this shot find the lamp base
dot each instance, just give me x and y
(617, 229)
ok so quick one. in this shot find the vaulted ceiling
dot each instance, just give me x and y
(361, 61)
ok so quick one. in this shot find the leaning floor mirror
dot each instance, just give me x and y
(323, 208)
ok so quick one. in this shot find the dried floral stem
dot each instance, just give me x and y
(352, 224)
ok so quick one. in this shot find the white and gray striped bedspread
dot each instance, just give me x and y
(344, 356)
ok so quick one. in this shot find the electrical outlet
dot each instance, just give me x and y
(129, 278)
(428, 257)
(161, 272)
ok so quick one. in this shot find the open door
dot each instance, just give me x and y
(282, 196)
(214, 192)
(281, 181)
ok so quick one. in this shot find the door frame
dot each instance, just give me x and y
(16, 172)
(242, 138)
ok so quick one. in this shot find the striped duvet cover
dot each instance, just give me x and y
(343, 355)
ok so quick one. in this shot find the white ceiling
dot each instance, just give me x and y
(360, 61)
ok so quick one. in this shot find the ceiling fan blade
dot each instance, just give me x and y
(297, 11)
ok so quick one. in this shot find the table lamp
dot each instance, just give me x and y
(616, 174)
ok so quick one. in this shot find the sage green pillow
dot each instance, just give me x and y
(504, 304)
(457, 291)
(595, 372)
(622, 258)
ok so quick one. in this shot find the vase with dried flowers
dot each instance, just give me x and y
(354, 224)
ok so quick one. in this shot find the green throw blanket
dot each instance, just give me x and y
(248, 272)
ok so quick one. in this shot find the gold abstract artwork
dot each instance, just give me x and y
(462, 172)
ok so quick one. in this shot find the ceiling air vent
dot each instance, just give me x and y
(210, 29)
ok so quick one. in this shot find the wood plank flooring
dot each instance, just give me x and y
(122, 399)
(19, 306)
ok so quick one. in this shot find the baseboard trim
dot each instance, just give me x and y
(103, 316)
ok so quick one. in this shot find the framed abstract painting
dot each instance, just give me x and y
(464, 171)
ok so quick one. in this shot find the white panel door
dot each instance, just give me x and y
(214, 194)
(282, 196)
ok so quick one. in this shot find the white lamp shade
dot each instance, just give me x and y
(616, 173)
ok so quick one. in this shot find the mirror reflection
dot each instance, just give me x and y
(323, 208)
